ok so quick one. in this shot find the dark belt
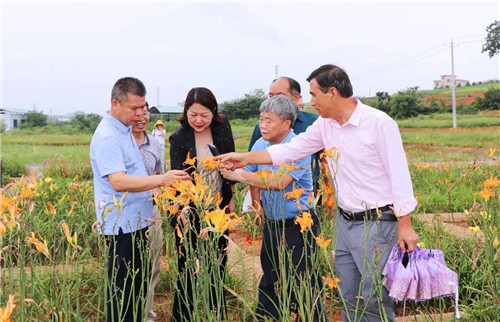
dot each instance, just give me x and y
(282, 223)
(384, 213)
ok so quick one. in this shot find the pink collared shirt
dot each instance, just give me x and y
(370, 168)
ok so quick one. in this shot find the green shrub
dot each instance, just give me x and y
(12, 169)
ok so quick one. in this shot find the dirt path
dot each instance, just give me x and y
(453, 223)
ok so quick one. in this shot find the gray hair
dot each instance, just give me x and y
(282, 106)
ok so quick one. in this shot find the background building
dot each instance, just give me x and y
(445, 82)
(12, 118)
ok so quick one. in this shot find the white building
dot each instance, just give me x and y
(445, 82)
(12, 118)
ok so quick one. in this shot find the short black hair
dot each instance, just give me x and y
(127, 85)
(332, 76)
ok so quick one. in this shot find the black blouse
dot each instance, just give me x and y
(182, 141)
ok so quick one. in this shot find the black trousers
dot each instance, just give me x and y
(286, 254)
(129, 270)
(184, 305)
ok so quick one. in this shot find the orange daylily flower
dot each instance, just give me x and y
(72, 240)
(309, 199)
(264, 174)
(210, 163)
(331, 153)
(288, 167)
(6, 203)
(322, 242)
(486, 194)
(190, 161)
(172, 209)
(295, 193)
(332, 283)
(73, 205)
(2, 229)
(6, 312)
(41, 246)
(179, 232)
(27, 193)
(305, 221)
(492, 182)
(51, 207)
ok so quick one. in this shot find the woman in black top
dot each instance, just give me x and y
(200, 124)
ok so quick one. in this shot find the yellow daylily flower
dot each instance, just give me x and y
(474, 229)
(220, 220)
(305, 221)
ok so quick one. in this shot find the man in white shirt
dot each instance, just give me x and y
(373, 185)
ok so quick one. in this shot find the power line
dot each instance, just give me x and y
(398, 65)
(424, 54)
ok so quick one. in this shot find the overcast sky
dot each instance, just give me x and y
(64, 56)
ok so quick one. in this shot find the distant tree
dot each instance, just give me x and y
(245, 107)
(467, 84)
(405, 104)
(492, 45)
(383, 100)
(490, 101)
(86, 122)
(34, 119)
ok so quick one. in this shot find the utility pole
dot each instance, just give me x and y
(276, 71)
(157, 95)
(453, 101)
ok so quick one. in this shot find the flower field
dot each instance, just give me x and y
(53, 262)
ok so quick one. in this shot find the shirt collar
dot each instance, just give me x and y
(356, 114)
(146, 139)
(119, 125)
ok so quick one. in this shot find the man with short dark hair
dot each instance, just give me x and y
(373, 185)
(123, 200)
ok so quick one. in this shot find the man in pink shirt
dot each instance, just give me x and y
(373, 184)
